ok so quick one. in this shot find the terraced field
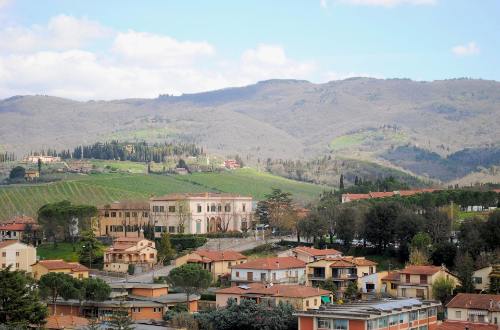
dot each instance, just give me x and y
(98, 189)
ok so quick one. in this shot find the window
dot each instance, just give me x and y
(403, 318)
(244, 207)
(394, 286)
(250, 276)
(171, 229)
(403, 292)
(171, 208)
(340, 324)
(229, 264)
(208, 208)
(151, 255)
(424, 327)
(219, 208)
(458, 314)
(4, 254)
(106, 214)
(3, 265)
(393, 319)
(382, 322)
(477, 280)
(158, 229)
(17, 265)
(212, 208)
(480, 318)
(136, 309)
(134, 214)
(307, 303)
(237, 274)
(227, 208)
(324, 324)
(80, 276)
(262, 276)
(407, 278)
(423, 279)
(422, 314)
(17, 253)
(315, 301)
(113, 214)
(145, 214)
(413, 315)
(432, 311)
(127, 214)
(372, 324)
(198, 208)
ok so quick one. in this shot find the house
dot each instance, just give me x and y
(310, 254)
(342, 271)
(122, 219)
(276, 270)
(401, 314)
(231, 164)
(137, 310)
(126, 251)
(299, 296)
(31, 175)
(216, 262)
(390, 283)
(416, 281)
(17, 255)
(154, 292)
(17, 227)
(478, 308)
(80, 166)
(43, 159)
(457, 325)
(371, 285)
(200, 213)
(56, 322)
(384, 194)
(74, 269)
(481, 279)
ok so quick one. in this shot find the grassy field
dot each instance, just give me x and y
(99, 189)
(368, 138)
(62, 251)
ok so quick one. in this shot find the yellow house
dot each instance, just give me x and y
(390, 283)
(18, 255)
(343, 271)
(74, 269)
(217, 262)
(416, 281)
(299, 296)
(126, 251)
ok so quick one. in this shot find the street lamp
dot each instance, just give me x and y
(90, 254)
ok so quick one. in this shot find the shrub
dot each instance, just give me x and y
(188, 241)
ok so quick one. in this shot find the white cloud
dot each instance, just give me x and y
(387, 3)
(4, 3)
(56, 60)
(466, 50)
(323, 3)
(62, 32)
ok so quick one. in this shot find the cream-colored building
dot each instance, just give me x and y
(127, 251)
(416, 281)
(477, 308)
(122, 219)
(200, 213)
(18, 255)
(310, 254)
(216, 262)
(481, 279)
(74, 269)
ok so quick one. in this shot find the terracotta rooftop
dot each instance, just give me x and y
(489, 302)
(381, 194)
(65, 322)
(7, 243)
(459, 325)
(349, 261)
(61, 264)
(354, 197)
(205, 195)
(316, 252)
(220, 255)
(421, 270)
(20, 219)
(16, 226)
(273, 263)
(127, 205)
(277, 290)
(391, 276)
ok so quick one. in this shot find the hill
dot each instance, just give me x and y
(360, 118)
(99, 189)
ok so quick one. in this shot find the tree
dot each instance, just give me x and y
(444, 253)
(183, 214)
(39, 166)
(120, 319)
(190, 278)
(89, 248)
(408, 224)
(281, 212)
(491, 231)
(418, 257)
(165, 250)
(312, 226)
(351, 292)
(437, 225)
(54, 285)
(341, 182)
(471, 236)
(93, 324)
(380, 224)
(329, 284)
(20, 304)
(346, 225)
(442, 289)
(464, 266)
(17, 172)
(95, 289)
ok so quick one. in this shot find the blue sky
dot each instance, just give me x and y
(113, 49)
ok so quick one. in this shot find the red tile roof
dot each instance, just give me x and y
(220, 255)
(316, 252)
(489, 302)
(7, 243)
(460, 325)
(16, 226)
(20, 219)
(421, 270)
(182, 196)
(127, 205)
(273, 263)
(65, 321)
(350, 261)
(381, 194)
(277, 290)
(61, 264)
(391, 276)
(354, 197)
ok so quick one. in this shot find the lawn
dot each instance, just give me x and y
(62, 251)
(99, 189)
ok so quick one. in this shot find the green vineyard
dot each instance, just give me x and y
(99, 189)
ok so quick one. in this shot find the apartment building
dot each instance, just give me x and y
(400, 314)
(299, 296)
(476, 308)
(199, 213)
(342, 270)
(310, 254)
(122, 219)
(17, 255)
(276, 270)
(216, 262)
(74, 269)
(416, 281)
(127, 251)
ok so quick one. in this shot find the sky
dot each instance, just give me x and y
(122, 49)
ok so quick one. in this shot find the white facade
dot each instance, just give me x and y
(279, 276)
(200, 213)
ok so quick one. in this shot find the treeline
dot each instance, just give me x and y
(362, 186)
(7, 157)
